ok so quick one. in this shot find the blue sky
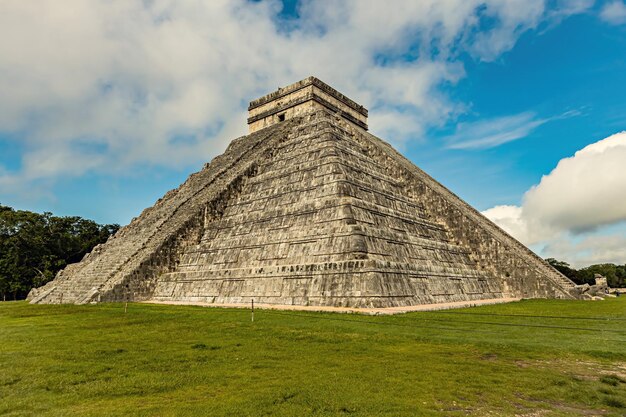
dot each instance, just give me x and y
(577, 67)
(106, 106)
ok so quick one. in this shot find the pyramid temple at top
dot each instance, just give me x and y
(308, 209)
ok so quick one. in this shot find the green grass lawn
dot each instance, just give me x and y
(534, 358)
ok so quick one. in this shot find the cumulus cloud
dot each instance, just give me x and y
(592, 249)
(509, 218)
(585, 190)
(106, 86)
(580, 196)
(614, 12)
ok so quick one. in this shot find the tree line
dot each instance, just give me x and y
(34, 247)
(615, 274)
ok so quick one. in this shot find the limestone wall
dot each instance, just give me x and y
(299, 98)
(522, 272)
(324, 223)
(128, 264)
(312, 211)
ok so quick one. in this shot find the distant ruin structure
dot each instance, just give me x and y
(308, 209)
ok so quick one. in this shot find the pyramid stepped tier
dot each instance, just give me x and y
(309, 209)
(322, 224)
(128, 264)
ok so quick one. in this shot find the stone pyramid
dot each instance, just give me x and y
(308, 209)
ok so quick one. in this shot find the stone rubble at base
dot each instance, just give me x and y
(308, 209)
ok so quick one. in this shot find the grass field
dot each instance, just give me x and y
(532, 358)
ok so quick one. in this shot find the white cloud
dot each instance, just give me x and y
(592, 249)
(583, 191)
(102, 86)
(493, 132)
(514, 17)
(489, 133)
(510, 219)
(580, 197)
(614, 12)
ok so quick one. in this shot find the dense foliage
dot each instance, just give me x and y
(615, 274)
(34, 247)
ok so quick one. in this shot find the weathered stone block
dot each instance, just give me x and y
(312, 210)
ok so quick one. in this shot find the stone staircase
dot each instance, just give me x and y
(107, 273)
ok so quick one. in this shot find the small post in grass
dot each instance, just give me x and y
(253, 309)
(126, 303)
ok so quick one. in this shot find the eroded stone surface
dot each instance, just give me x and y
(309, 211)
(300, 98)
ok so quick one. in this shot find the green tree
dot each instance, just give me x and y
(614, 274)
(565, 269)
(34, 247)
